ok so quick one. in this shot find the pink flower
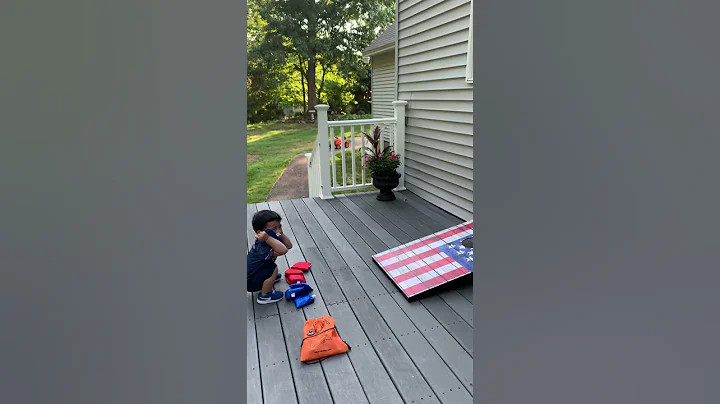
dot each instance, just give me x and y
(363, 167)
(392, 157)
(367, 158)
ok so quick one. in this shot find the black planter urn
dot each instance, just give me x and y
(386, 183)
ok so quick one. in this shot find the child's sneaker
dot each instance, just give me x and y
(272, 297)
(279, 276)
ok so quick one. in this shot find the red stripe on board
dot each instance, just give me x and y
(415, 289)
(456, 273)
(407, 248)
(434, 281)
(417, 244)
(411, 259)
(412, 273)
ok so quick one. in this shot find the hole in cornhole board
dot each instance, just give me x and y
(430, 264)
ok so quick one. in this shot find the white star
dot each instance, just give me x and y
(470, 253)
(469, 259)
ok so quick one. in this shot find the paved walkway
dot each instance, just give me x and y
(293, 183)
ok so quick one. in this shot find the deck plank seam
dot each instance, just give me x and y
(305, 313)
(410, 318)
(433, 389)
(353, 310)
(327, 309)
(456, 312)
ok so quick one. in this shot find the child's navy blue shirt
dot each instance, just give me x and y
(259, 255)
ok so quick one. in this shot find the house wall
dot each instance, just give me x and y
(432, 55)
(383, 84)
(597, 176)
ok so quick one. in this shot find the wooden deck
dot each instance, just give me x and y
(419, 352)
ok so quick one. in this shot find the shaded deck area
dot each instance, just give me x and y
(402, 352)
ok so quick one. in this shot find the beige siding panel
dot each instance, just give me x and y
(455, 183)
(464, 94)
(444, 105)
(432, 65)
(439, 202)
(450, 137)
(383, 85)
(432, 57)
(463, 161)
(449, 182)
(414, 158)
(436, 43)
(436, 85)
(433, 10)
(441, 145)
(439, 120)
(446, 200)
(437, 54)
(461, 24)
(453, 127)
(441, 74)
(416, 7)
(406, 4)
(437, 20)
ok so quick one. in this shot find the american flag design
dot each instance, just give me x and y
(431, 261)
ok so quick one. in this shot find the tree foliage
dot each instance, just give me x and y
(309, 51)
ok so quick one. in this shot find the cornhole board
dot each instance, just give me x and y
(430, 262)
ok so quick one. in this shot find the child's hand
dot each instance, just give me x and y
(261, 236)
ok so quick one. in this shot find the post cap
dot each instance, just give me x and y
(322, 107)
(399, 103)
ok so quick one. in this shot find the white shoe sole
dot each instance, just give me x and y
(267, 301)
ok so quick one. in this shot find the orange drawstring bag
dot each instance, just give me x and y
(320, 340)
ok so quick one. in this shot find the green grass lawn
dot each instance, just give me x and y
(270, 148)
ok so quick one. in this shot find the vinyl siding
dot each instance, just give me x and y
(383, 84)
(432, 55)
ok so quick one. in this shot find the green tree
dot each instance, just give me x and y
(316, 36)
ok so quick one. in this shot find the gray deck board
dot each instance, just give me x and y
(367, 368)
(402, 352)
(310, 381)
(458, 303)
(439, 337)
(407, 378)
(387, 210)
(451, 321)
(254, 386)
(467, 292)
(334, 378)
(440, 376)
(378, 217)
(441, 216)
(274, 363)
(369, 222)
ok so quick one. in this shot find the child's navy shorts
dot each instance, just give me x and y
(260, 265)
(260, 275)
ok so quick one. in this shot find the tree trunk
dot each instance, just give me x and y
(312, 95)
(302, 82)
(299, 68)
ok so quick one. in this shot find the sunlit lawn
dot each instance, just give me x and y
(271, 147)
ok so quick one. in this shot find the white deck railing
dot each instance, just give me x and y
(333, 170)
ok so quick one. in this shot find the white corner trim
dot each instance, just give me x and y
(469, 63)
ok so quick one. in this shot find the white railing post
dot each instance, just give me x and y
(399, 140)
(323, 147)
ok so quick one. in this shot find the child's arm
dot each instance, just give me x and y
(285, 239)
(278, 247)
